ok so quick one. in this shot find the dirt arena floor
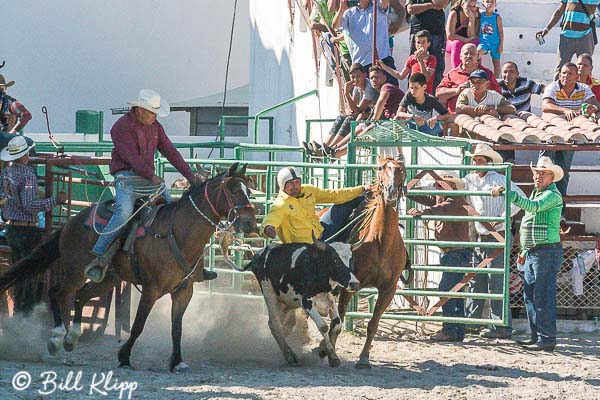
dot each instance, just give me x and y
(232, 356)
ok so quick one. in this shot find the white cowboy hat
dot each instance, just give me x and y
(484, 149)
(149, 100)
(287, 174)
(4, 83)
(16, 148)
(546, 164)
(448, 176)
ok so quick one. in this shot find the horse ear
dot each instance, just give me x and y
(233, 169)
(319, 244)
(243, 170)
(380, 160)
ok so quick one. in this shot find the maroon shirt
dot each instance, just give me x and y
(393, 101)
(135, 145)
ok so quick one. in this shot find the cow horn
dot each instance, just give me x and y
(356, 246)
(319, 244)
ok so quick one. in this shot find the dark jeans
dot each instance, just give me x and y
(488, 283)
(455, 307)
(389, 61)
(563, 159)
(336, 218)
(341, 125)
(438, 50)
(22, 240)
(539, 292)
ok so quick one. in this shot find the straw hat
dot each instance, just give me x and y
(546, 164)
(484, 149)
(4, 83)
(448, 176)
(149, 100)
(17, 148)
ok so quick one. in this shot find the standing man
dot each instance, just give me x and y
(13, 114)
(565, 97)
(357, 23)
(489, 207)
(429, 15)
(577, 30)
(451, 256)
(20, 211)
(541, 252)
(136, 136)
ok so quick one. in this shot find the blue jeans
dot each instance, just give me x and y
(336, 218)
(124, 203)
(341, 125)
(563, 159)
(539, 291)
(488, 283)
(455, 307)
(435, 131)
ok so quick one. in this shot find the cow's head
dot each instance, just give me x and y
(338, 260)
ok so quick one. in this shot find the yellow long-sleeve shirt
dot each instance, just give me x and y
(295, 219)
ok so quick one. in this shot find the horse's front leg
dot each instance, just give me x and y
(383, 301)
(179, 303)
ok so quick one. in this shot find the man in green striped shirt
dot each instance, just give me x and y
(541, 252)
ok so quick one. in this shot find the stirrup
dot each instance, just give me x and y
(96, 264)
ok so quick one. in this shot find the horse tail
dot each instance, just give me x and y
(407, 267)
(40, 259)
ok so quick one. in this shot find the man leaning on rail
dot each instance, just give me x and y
(136, 137)
(541, 252)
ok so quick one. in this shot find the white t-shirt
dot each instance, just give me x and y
(491, 98)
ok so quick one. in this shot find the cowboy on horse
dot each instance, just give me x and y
(292, 216)
(136, 137)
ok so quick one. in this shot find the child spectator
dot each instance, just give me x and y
(491, 34)
(462, 28)
(420, 61)
(418, 106)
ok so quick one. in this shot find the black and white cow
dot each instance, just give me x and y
(303, 275)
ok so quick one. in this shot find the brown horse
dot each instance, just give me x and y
(381, 258)
(190, 222)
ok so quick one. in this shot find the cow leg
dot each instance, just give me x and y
(383, 301)
(311, 309)
(274, 309)
(342, 307)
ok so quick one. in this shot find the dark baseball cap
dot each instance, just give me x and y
(479, 73)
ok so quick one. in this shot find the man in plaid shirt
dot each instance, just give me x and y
(541, 252)
(20, 208)
(13, 114)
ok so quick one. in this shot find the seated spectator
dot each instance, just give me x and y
(462, 28)
(517, 89)
(565, 97)
(478, 100)
(358, 30)
(321, 19)
(386, 106)
(584, 68)
(421, 61)
(13, 114)
(359, 106)
(457, 79)
(418, 106)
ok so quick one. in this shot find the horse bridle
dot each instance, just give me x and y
(400, 187)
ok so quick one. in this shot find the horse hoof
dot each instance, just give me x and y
(70, 342)
(334, 362)
(125, 366)
(291, 359)
(363, 364)
(322, 353)
(53, 346)
(181, 367)
(68, 346)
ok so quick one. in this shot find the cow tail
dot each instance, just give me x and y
(40, 259)
(407, 267)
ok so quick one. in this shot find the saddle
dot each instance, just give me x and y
(136, 228)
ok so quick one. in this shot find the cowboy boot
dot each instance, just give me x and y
(95, 271)
(208, 275)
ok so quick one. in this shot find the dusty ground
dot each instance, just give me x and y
(232, 356)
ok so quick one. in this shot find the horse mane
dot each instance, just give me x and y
(197, 188)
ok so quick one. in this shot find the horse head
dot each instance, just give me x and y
(228, 197)
(390, 179)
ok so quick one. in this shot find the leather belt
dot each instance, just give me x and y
(21, 223)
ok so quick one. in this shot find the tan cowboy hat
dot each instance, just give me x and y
(17, 148)
(546, 164)
(150, 100)
(485, 150)
(4, 83)
(448, 176)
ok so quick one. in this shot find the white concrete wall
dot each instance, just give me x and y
(85, 54)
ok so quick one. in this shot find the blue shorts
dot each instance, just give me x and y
(490, 48)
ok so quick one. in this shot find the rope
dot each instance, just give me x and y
(360, 216)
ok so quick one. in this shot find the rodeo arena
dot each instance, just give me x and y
(301, 199)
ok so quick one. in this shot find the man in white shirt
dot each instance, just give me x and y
(489, 207)
(478, 100)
